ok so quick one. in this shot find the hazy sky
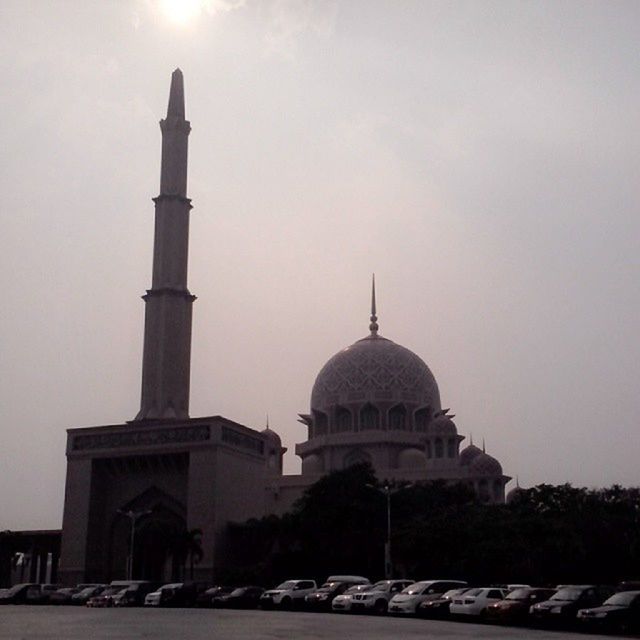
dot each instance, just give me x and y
(483, 158)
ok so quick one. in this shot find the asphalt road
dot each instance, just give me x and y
(75, 623)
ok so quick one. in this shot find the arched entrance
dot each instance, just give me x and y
(158, 538)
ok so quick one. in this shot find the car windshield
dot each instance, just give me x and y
(414, 589)
(518, 594)
(171, 587)
(379, 586)
(473, 592)
(453, 592)
(623, 599)
(87, 591)
(357, 589)
(289, 584)
(238, 592)
(327, 586)
(13, 590)
(567, 595)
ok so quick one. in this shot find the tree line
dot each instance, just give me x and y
(544, 535)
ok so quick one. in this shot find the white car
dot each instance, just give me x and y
(408, 599)
(154, 599)
(288, 594)
(376, 598)
(475, 601)
(343, 601)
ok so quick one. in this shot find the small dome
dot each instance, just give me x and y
(312, 464)
(468, 454)
(373, 369)
(443, 425)
(485, 465)
(272, 437)
(513, 494)
(412, 458)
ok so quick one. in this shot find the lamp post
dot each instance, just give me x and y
(386, 490)
(133, 516)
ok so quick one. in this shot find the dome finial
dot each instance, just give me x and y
(267, 421)
(373, 327)
(471, 438)
(484, 450)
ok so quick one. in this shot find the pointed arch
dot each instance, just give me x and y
(369, 418)
(398, 418)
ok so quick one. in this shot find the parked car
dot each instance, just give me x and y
(205, 599)
(105, 597)
(407, 601)
(86, 592)
(342, 603)
(39, 593)
(16, 594)
(133, 594)
(288, 594)
(562, 607)
(376, 598)
(620, 612)
(240, 598)
(63, 596)
(515, 607)
(168, 595)
(321, 599)
(474, 602)
(439, 608)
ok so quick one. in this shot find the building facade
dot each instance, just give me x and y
(137, 492)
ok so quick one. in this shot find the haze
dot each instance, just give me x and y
(483, 159)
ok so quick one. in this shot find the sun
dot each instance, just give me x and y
(181, 12)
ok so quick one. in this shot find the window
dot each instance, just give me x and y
(343, 419)
(398, 418)
(319, 423)
(451, 448)
(429, 452)
(421, 418)
(439, 448)
(369, 418)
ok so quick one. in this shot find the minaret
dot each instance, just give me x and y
(168, 304)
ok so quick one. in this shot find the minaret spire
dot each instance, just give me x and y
(176, 96)
(373, 327)
(168, 304)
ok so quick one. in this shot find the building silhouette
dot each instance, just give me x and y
(162, 476)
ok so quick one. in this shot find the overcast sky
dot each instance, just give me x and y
(483, 158)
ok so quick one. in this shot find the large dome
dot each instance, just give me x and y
(375, 369)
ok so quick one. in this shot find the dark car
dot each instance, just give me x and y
(86, 592)
(63, 596)
(321, 599)
(205, 598)
(562, 607)
(17, 594)
(240, 598)
(115, 592)
(515, 607)
(439, 607)
(620, 612)
(40, 593)
(134, 594)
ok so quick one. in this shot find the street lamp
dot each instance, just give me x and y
(134, 516)
(386, 490)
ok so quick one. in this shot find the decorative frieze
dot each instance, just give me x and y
(141, 438)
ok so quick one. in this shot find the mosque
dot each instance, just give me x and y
(134, 490)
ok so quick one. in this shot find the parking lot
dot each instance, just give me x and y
(79, 623)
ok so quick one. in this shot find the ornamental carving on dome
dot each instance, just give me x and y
(375, 368)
